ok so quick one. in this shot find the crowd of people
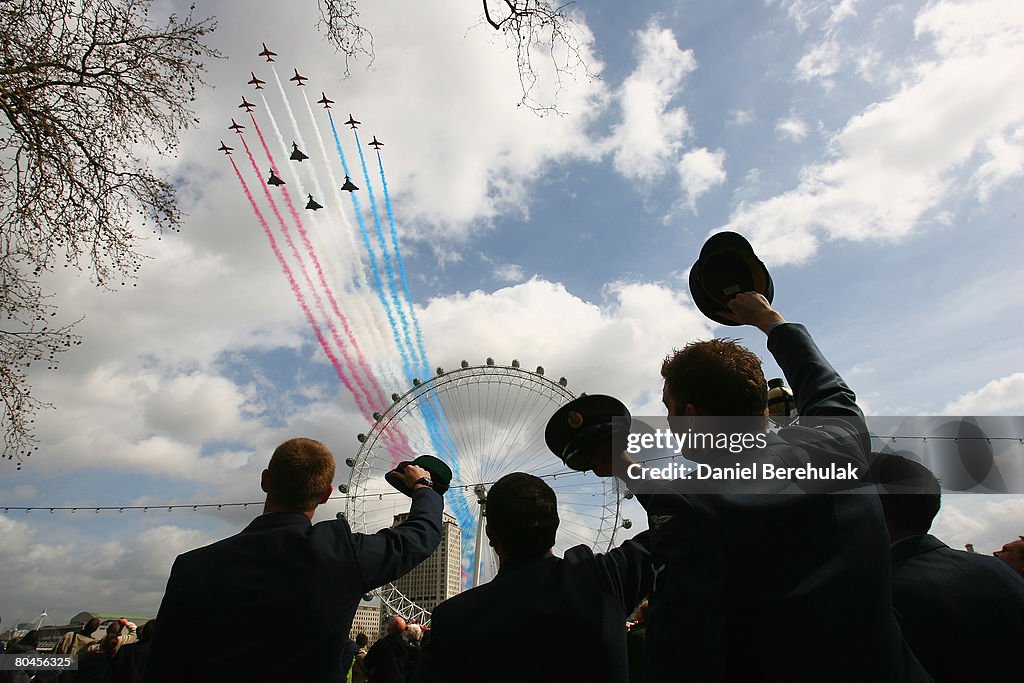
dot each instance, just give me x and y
(116, 654)
(737, 585)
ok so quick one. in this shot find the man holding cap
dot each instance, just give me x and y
(759, 580)
(221, 615)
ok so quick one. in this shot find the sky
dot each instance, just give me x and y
(872, 152)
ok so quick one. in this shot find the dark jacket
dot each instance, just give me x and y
(962, 613)
(545, 619)
(386, 660)
(778, 586)
(280, 572)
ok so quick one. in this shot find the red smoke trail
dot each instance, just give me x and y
(365, 392)
(373, 393)
(400, 447)
(287, 270)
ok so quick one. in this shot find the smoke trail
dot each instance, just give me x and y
(372, 392)
(324, 344)
(406, 364)
(442, 420)
(442, 428)
(431, 410)
(396, 439)
(358, 276)
(401, 263)
(389, 267)
(360, 364)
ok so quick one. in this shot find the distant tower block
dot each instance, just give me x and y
(439, 577)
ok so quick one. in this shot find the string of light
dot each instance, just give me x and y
(220, 506)
(380, 496)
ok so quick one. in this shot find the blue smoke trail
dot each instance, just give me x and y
(406, 363)
(420, 348)
(389, 267)
(401, 263)
(459, 505)
(434, 407)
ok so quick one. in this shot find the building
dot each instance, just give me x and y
(439, 577)
(367, 620)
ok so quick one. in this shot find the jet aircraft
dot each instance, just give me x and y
(267, 53)
(297, 154)
(324, 101)
(224, 148)
(298, 78)
(349, 185)
(312, 205)
(237, 127)
(274, 180)
(255, 81)
(376, 144)
(352, 122)
(247, 106)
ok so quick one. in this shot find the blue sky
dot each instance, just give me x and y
(872, 152)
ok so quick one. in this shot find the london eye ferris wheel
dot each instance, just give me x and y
(485, 421)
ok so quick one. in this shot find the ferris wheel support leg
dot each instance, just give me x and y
(481, 494)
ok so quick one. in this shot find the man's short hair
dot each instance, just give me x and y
(720, 376)
(522, 512)
(362, 639)
(911, 495)
(300, 471)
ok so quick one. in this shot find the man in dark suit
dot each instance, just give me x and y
(542, 618)
(387, 659)
(283, 572)
(761, 580)
(962, 613)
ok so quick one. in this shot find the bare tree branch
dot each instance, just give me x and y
(533, 29)
(539, 29)
(339, 21)
(85, 87)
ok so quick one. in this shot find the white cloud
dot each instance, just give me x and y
(841, 11)
(987, 521)
(509, 272)
(69, 576)
(1006, 161)
(541, 323)
(741, 117)
(821, 61)
(900, 160)
(699, 171)
(652, 132)
(1003, 396)
(792, 127)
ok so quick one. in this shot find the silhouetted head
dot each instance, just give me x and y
(396, 625)
(30, 639)
(715, 377)
(362, 640)
(299, 476)
(147, 631)
(90, 626)
(910, 494)
(522, 517)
